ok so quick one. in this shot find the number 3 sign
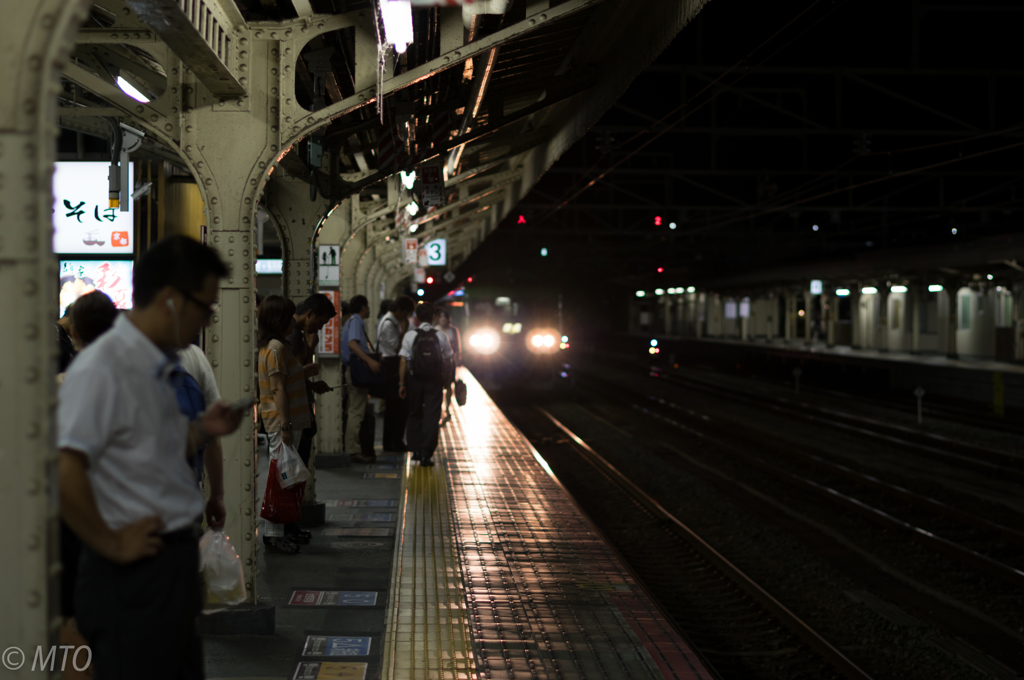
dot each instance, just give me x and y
(437, 252)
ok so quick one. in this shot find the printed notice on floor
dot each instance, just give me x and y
(330, 670)
(332, 645)
(333, 598)
(357, 531)
(364, 517)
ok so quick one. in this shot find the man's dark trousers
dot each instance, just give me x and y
(396, 413)
(140, 618)
(425, 399)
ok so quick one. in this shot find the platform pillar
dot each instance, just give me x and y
(1018, 321)
(37, 38)
(952, 287)
(855, 321)
(700, 314)
(808, 318)
(883, 318)
(915, 317)
(787, 321)
(773, 310)
(826, 318)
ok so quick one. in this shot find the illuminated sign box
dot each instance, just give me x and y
(270, 267)
(79, 277)
(82, 222)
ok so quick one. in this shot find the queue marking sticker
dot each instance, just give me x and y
(357, 531)
(333, 598)
(380, 475)
(336, 645)
(364, 517)
(330, 670)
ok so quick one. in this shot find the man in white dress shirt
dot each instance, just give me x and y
(389, 342)
(126, 488)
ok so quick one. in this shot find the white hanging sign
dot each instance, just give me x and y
(420, 275)
(411, 248)
(422, 258)
(437, 252)
(328, 259)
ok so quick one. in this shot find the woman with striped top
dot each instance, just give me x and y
(284, 406)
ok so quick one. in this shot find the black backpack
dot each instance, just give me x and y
(427, 361)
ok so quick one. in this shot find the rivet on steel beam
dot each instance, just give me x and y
(216, 339)
(246, 363)
(213, 201)
(140, 109)
(248, 463)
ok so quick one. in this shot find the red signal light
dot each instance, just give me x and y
(657, 221)
(469, 280)
(521, 220)
(430, 279)
(660, 270)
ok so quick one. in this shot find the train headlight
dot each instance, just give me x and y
(484, 341)
(542, 341)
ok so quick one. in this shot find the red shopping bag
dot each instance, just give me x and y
(281, 506)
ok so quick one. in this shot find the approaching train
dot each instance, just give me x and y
(509, 344)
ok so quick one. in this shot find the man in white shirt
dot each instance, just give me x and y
(389, 342)
(426, 357)
(195, 363)
(126, 488)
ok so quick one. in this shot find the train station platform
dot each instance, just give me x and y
(974, 382)
(481, 567)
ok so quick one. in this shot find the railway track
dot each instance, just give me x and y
(975, 542)
(736, 624)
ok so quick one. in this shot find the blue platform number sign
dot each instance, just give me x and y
(437, 252)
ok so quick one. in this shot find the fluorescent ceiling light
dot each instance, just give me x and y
(412, 209)
(640, 293)
(408, 178)
(397, 16)
(129, 90)
(868, 290)
(691, 289)
(659, 291)
(935, 288)
(899, 289)
(842, 292)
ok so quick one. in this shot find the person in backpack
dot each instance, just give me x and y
(355, 347)
(425, 357)
(389, 342)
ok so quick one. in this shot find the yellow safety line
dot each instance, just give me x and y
(392, 622)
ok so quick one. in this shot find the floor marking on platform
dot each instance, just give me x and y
(361, 504)
(388, 459)
(333, 598)
(380, 475)
(336, 645)
(330, 670)
(383, 467)
(357, 545)
(363, 517)
(357, 531)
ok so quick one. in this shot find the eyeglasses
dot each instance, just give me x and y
(209, 309)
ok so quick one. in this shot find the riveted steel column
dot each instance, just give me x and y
(287, 199)
(883, 318)
(37, 37)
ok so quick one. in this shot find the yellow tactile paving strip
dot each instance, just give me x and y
(428, 634)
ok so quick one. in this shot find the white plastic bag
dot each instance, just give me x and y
(222, 570)
(290, 468)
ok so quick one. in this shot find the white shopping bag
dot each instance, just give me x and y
(290, 468)
(222, 570)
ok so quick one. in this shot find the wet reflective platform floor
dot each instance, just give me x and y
(493, 573)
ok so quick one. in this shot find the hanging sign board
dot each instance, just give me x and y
(330, 337)
(411, 248)
(83, 224)
(816, 287)
(422, 259)
(420, 275)
(327, 265)
(432, 179)
(437, 252)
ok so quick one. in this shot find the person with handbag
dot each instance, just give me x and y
(364, 370)
(389, 341)
(284, 406)
(443, 323)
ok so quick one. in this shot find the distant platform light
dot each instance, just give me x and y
(800, 313)
(654, 343)
(396, 15)
(565, 338)
(543, 252)
(469, 280)
(661, 270)
(868, 290)
(640, 293)
(419, 291)
(954, 231)
(130, 90)
(659, 291)
(842, 292)
(521, 220)
(815, 227)
(691, 289)
(564, 374)
(657, 220)
(935, 288)
(412, 209)
(899, 289)
(430, 279)
(671, 225)
(990, 277)
(408, 178)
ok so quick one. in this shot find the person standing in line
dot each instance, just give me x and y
(443, 319)
(284, 407)
(355, 347)
(389, 342)
(65, 343)
(194, 362)
(310, 317)
(126, 488)
(426, 356)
